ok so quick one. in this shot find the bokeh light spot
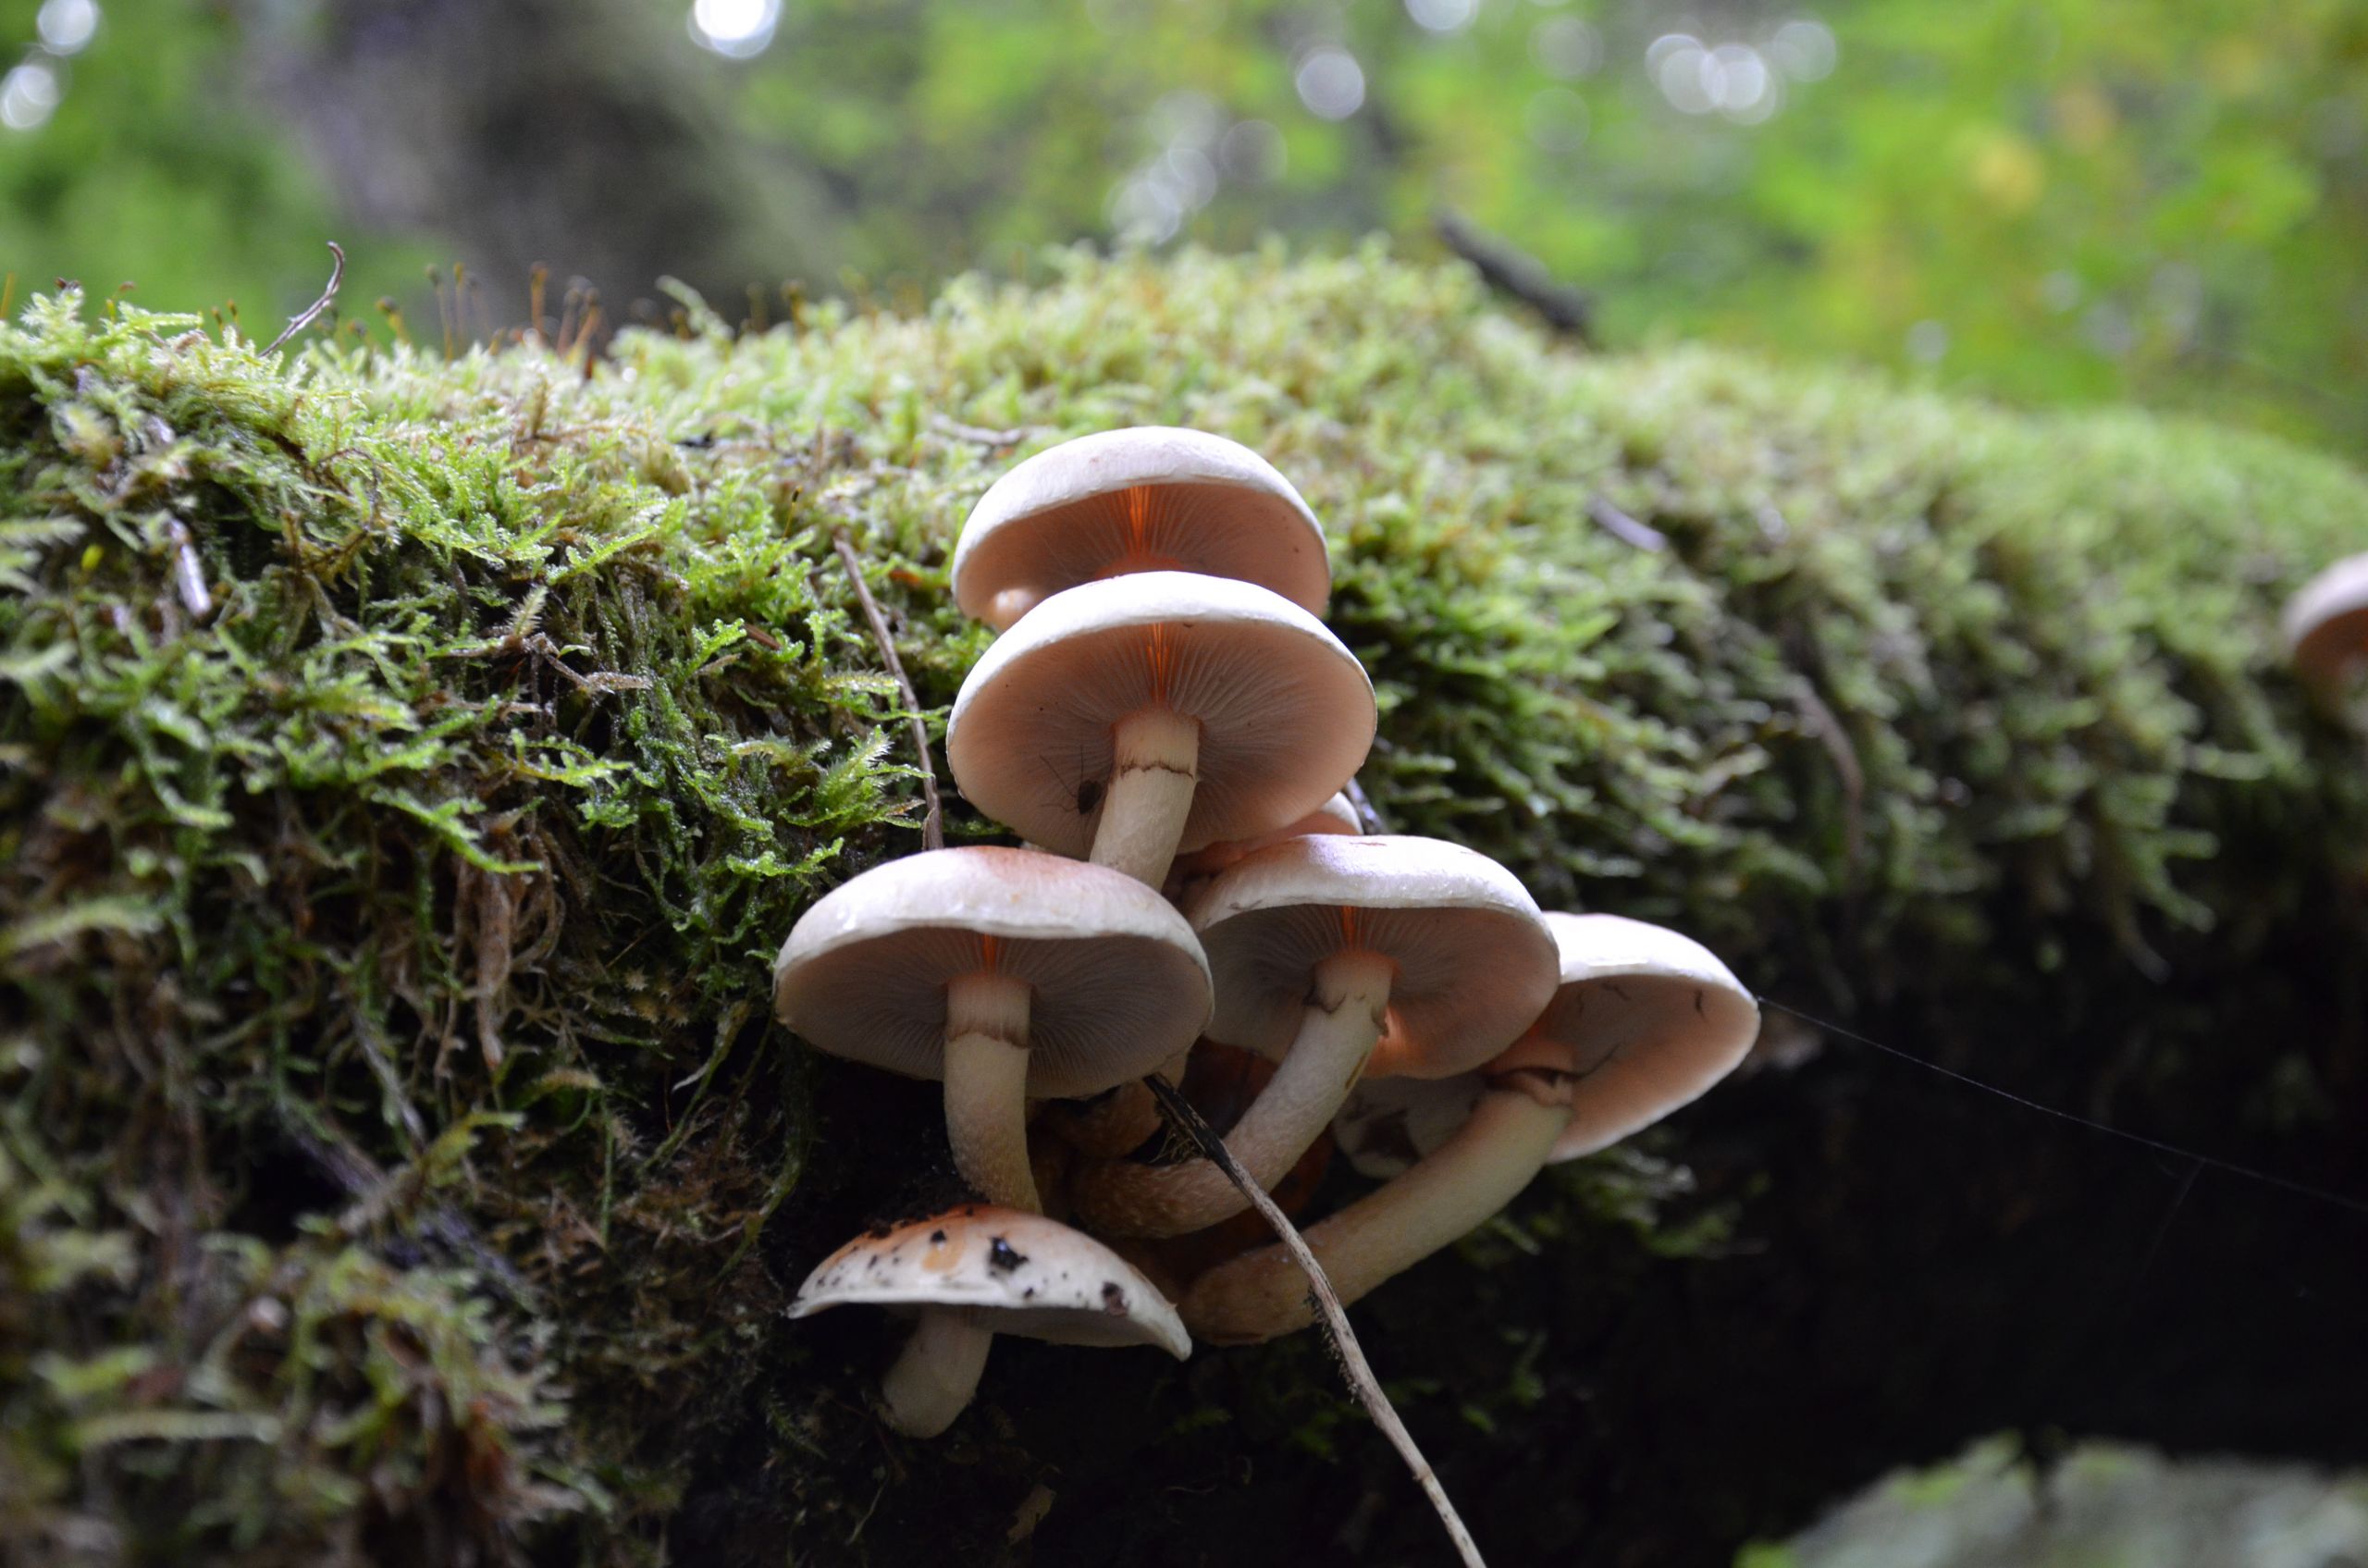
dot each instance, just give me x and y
(1443, 16)
(1685, 73)
(65, 26)
(1804, 49)
(1143, 211)
(1566, 47)
(1330, 83)
(737, 29)
(29, 96)
(1739, 80)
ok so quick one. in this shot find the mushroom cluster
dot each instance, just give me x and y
(1167, 723)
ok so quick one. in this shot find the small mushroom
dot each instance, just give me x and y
(976, 1272)
(1125, 720)
(2326, 624)
(1653, 1020)
(1645, 1020)
(1422, 957)
(1148, 498)
(1004, 973)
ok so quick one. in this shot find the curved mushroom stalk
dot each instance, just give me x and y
(1343, 1025)
(935, 1375)
(1318, 942)
(1645, 1020)
(1447, 1194)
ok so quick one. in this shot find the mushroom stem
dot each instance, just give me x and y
(1337, 1034)
(1155, 756)
(1009, 606)
(935, 1373)
(986, 1086)
(1447, 1194)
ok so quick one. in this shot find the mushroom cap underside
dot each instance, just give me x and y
(1653, 1018)
(2326, 624)
(1117, 981)
(1475, 963)
(1285, 713)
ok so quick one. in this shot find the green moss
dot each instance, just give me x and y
(407, 770)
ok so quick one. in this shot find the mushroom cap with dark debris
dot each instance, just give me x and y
(1017, 1273)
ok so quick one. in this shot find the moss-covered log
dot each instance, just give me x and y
(407, 770)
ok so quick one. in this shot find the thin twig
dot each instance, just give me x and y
(1625, 528)
(1335, 1317)
(1505, 267)
(933, 821)
(312, 312)
(373, 1196)
(1821, 722)
(977, 435)
(1368, 818)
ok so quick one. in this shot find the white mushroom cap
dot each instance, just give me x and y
(1285, 714)
(1654, 1020)
(2327, 622)
(1473, 959)
(1162, 497)
(1119, 983)
(1014, 1272)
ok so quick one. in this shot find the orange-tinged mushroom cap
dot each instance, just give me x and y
(1653, 1019)
(1152, 498)
(1473, 961)
(2327, 622)
(1285, 714)
(1117, 981)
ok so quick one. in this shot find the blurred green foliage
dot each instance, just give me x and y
(2045, 199)
(2085, 199)
(158, 167)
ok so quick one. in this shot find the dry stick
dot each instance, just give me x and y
(313, 311)
(1505, 267)
(1625, 528)
(1335, 1317)
(1368, 818)
(934, 822)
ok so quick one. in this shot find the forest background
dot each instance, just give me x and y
(2047, 200)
